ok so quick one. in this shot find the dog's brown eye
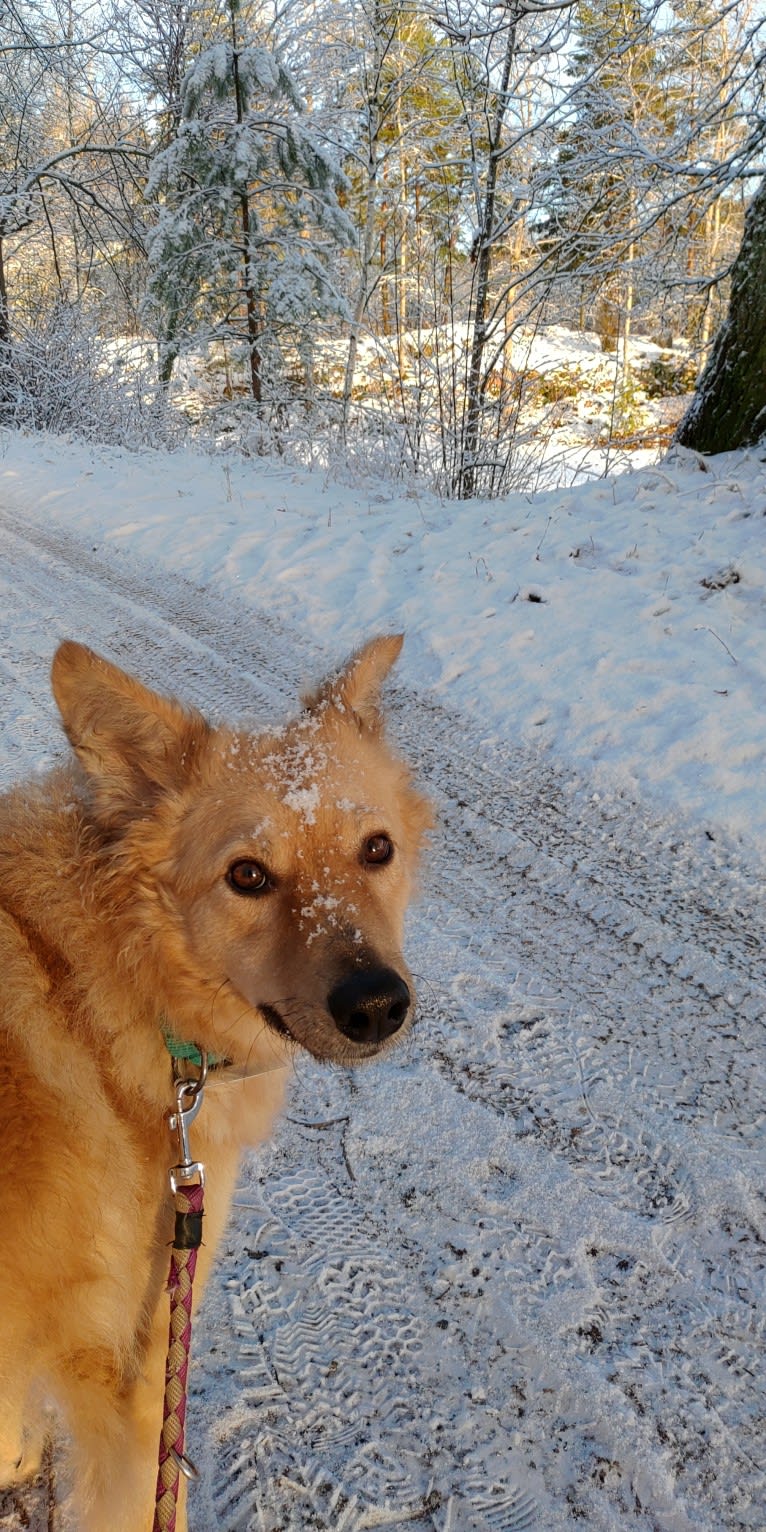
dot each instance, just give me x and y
(247, 877)
(377, 849)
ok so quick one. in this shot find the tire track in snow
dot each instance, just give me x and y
(593, 999)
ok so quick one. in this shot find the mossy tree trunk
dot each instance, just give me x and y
(729, 408)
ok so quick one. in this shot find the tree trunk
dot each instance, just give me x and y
(5, 317)
(729, 408)
(374, 124)
(168, 353)
(400, 233)
(362, 296)
(5, 340)
(251, 300)
(467, 476)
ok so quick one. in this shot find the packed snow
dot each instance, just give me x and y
(512, 1277)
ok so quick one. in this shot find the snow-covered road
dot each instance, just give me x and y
(514, 1277)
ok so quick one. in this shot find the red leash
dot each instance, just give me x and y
(187, 1183)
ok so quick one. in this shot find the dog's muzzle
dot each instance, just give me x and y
(371, 1006)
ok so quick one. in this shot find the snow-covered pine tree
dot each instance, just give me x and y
(601, 188)
(246, 211)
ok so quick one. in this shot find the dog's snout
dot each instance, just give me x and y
(369, 1007)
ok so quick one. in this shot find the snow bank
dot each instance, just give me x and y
(618, 623)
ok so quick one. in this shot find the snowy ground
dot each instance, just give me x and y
(620, 623)
(514, 1278)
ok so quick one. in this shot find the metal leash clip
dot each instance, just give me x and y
(188, 1091)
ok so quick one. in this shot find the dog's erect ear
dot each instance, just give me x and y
(357, 687)
(131, 742)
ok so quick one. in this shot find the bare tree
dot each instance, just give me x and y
(482, 254)
(66, 142)
(381, 26)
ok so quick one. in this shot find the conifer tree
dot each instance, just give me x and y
(247, 210)
(602, 185)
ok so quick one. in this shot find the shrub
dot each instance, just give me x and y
(665, 376)
(61, 377)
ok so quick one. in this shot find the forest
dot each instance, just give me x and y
(444, 240)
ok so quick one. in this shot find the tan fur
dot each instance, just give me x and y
(115, 912)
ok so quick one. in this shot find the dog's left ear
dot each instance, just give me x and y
(356, 688)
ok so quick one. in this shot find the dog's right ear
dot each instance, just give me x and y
(132, 743)
(356, 688)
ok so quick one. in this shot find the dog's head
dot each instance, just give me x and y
(263, 876)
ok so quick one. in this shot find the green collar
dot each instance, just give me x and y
(189, 1052)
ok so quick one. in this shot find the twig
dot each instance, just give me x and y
(302, 1122)
(701, 628)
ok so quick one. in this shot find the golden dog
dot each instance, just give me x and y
(245, 892)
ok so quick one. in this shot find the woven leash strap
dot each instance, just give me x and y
(183, 1261)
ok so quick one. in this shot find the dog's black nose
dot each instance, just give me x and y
(369, 1007)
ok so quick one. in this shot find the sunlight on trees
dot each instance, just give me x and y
(354, 217)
